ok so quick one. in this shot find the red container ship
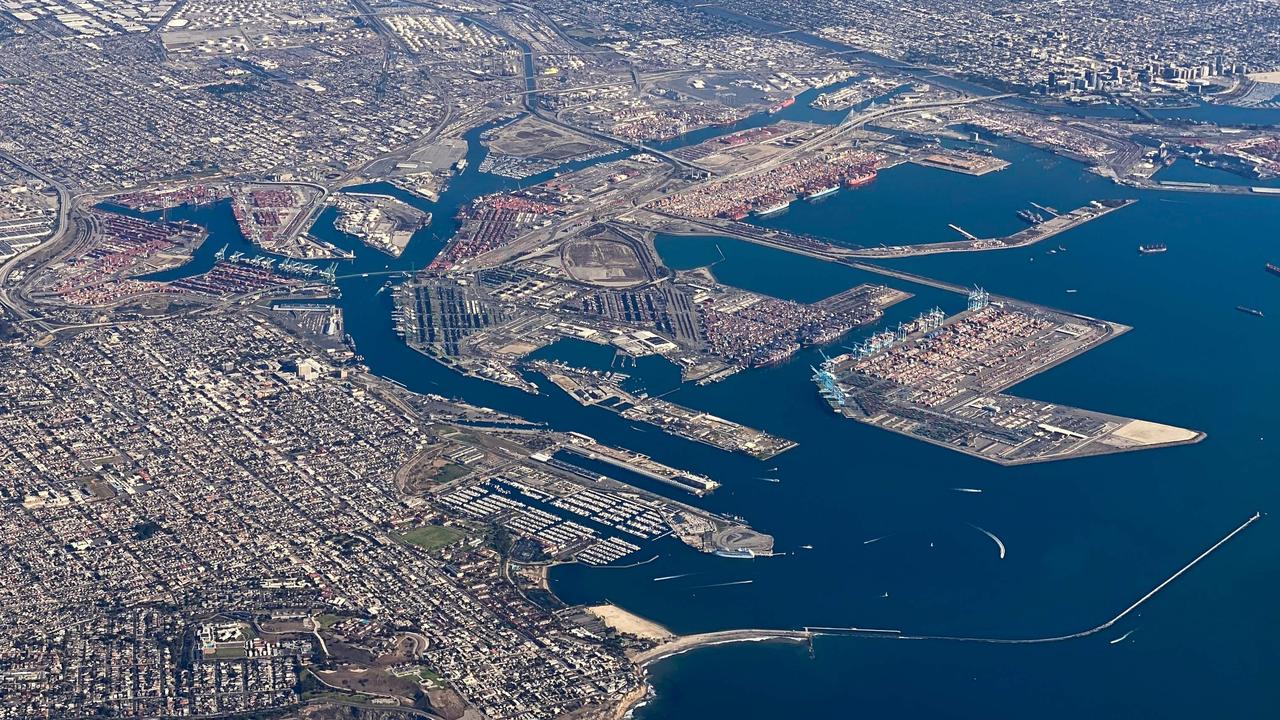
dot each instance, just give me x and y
(782, 105)
(860, 180)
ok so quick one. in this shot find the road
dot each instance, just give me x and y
(62, 229)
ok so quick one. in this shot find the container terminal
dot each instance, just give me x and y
(940, 379)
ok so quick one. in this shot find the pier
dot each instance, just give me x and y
(1038, 232)
(586, 447)
(1060, 222)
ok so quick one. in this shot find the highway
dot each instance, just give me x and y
(62, 229)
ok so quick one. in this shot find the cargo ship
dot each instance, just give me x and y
(774, 209)
(1152, 248)
(823, 192)
(782, 105)
(860, 180)
(773, 355)
(1273, 269)
(1250, 311)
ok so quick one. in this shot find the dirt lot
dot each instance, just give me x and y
(533, 138)
(602, 261)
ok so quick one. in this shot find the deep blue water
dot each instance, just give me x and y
(1085, 537)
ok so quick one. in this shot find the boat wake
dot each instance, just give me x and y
(999, 543)
(1122, 638)
(672, 577)
(723, 584)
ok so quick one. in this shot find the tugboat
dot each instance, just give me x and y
(1152, 248)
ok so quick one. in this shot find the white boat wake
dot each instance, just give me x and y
(1122, 638)
(723, 584)
(999, 543)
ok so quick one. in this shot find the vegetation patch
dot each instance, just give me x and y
(432, 537)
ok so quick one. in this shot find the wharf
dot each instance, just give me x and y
(1028, 236)
(587, 447)
(941, 380)
(590, 388)
(820, 249)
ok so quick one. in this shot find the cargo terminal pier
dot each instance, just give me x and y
(940, 379)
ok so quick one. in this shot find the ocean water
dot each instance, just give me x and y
(1085, 537)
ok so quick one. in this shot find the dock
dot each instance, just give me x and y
(911, 382)
(586, 447)
(1058, 223)
(602, 390)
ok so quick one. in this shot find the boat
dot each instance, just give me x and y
(822, 193)
(806, 547)
(1072, 290)
(1152, 248)
(860, 180)
(782, 105)
(774, 209)
(1273, 269)
(739, 554)
(1250, 311)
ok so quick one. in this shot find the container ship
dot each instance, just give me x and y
(773, 355)
(774, 209)
(822, 192)
(1250, 311)
(860, 180)
(782, 105)
(1152, 248)
(1273, 269)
